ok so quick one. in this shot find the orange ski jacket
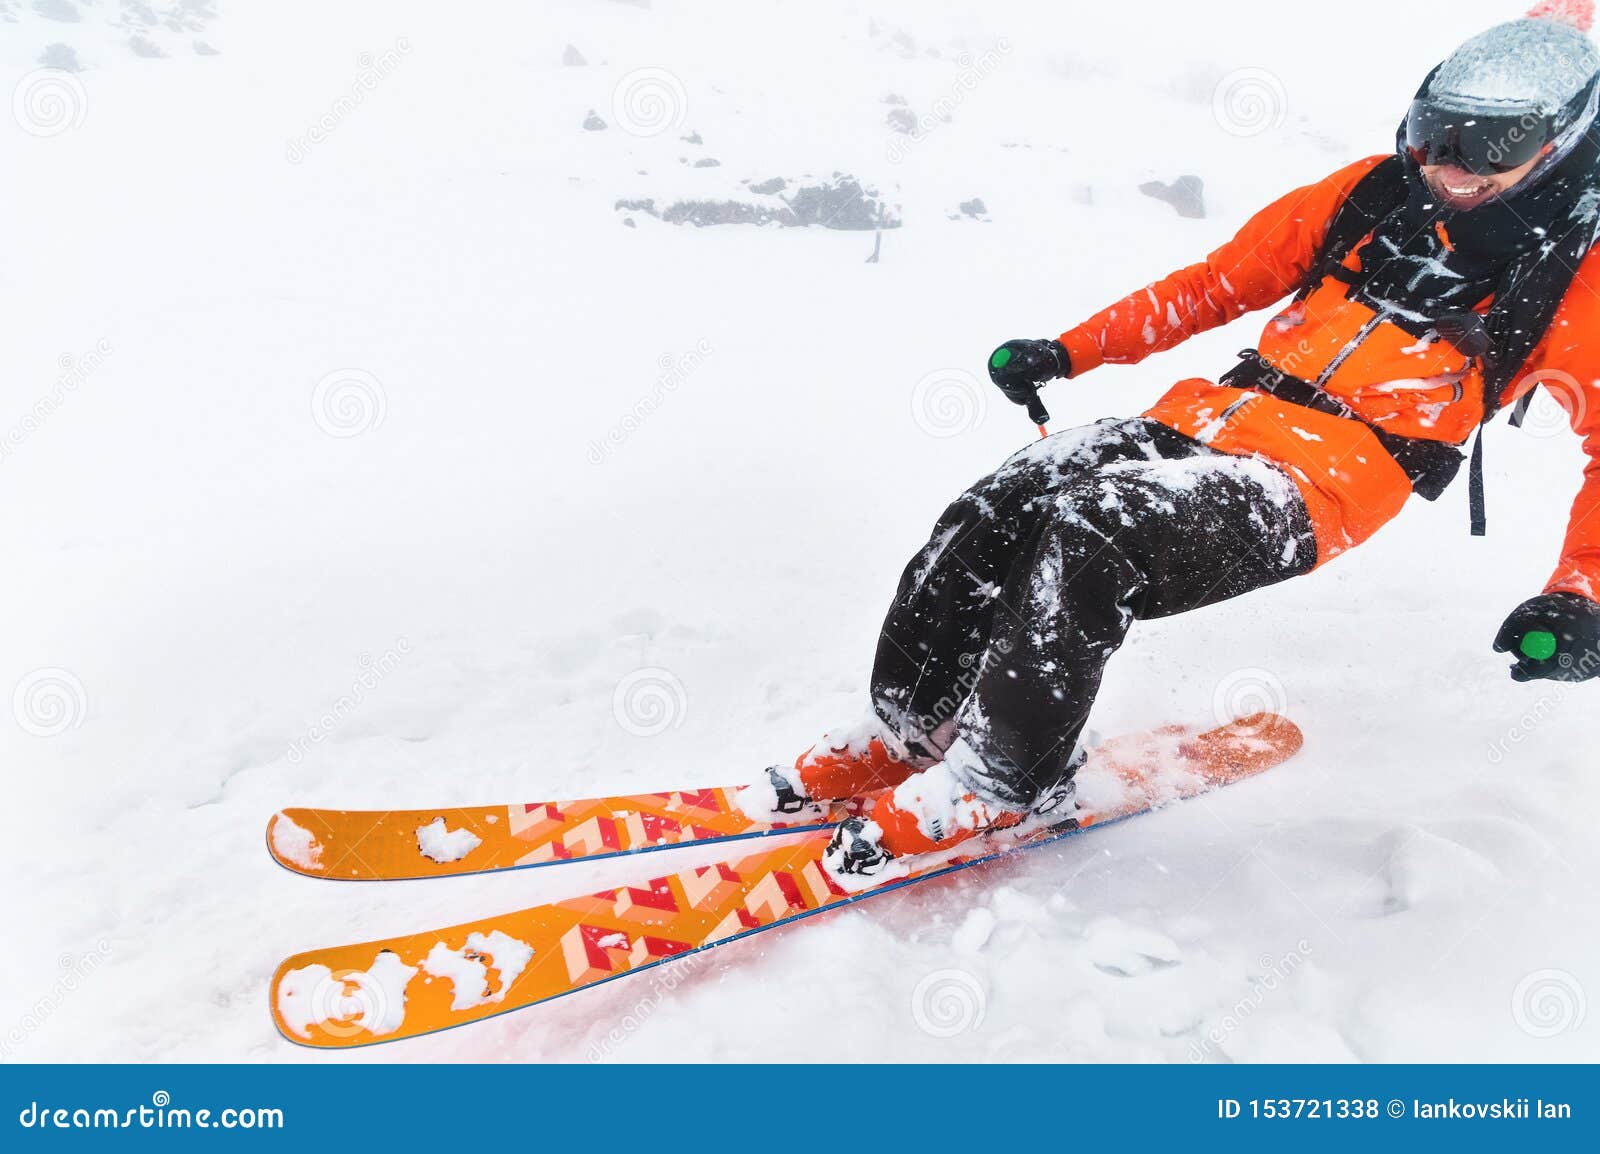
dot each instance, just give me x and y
(1419, 388)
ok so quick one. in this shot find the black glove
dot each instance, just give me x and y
(1555, 637)
(1018, 368)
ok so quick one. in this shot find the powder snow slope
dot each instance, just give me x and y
(356, 452)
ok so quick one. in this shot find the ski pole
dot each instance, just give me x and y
(1039, 415)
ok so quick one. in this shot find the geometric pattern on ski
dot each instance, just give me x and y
(377, 845)
(402, 987)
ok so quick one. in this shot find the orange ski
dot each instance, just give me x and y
(399, 988)
(368, 845)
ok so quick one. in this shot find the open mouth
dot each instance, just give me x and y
(1462, 188)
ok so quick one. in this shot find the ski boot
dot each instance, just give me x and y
(930, 813)
(840, 767)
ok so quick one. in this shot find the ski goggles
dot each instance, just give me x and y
(1481, 143)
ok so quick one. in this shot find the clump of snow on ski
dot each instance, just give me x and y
(468, 968)
(294, 843)
(437, 842)
(314, 995)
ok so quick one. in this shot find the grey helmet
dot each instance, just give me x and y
(1518, 92)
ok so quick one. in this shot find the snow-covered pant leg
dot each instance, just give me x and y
(1034, 575)
(937, 631)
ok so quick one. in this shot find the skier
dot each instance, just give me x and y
(1428, 288)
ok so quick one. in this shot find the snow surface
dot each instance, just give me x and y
(362, 466)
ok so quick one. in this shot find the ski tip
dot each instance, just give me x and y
(292, 845)
(1244, 746)
(314, 1006)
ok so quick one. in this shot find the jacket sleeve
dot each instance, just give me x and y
(1257, 268)
(1567, 365)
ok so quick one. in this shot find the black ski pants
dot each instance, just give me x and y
(1003, 622)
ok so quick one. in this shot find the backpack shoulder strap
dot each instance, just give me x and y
(1371, 199)
(1522, 312)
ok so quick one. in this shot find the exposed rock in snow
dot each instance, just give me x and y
(901, 119)
(841, 204)
(63, 10)
(1186, 194)
(593, 123)
(572, 58)
(62, 56)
